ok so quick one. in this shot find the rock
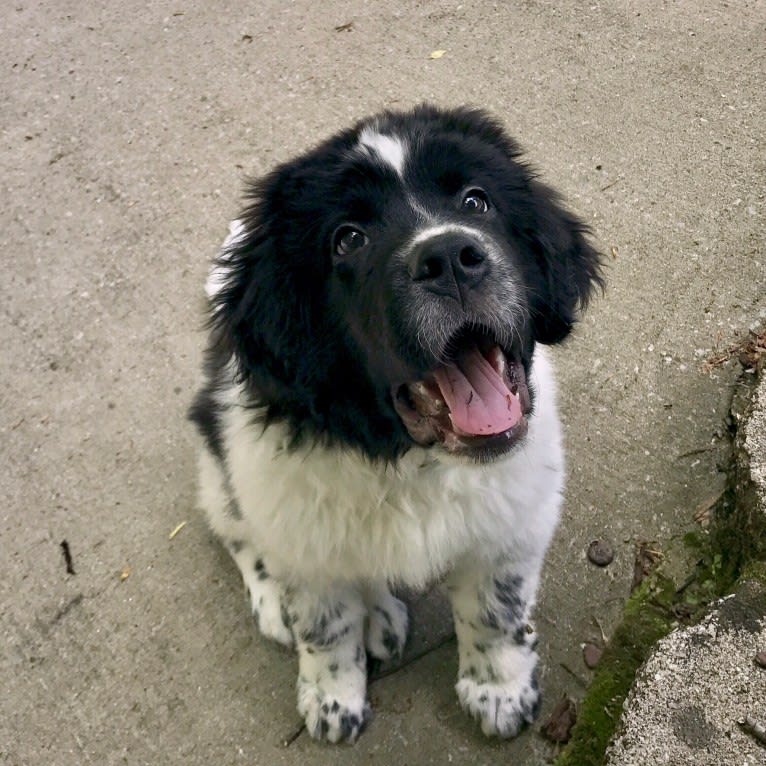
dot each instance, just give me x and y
(591, 654)
(600, 553)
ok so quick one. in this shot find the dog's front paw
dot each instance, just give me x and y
(336, 715)
(503, 709)
(386, 628)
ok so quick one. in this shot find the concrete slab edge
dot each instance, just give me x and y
(650, 614)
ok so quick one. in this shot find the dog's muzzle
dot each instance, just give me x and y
(449, 264)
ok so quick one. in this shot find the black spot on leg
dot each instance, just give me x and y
(287, 618)
(480, 647)
(233, 510)
(333, 670)
(349, 723)
(324, 727)
(235, 546)
(489, 620)
(508, 596)
(536, 705)
(520, 635)
(470, 672)
(259, 565)
(390, 642)
(319, 637)
(264, 575)
(335, 706)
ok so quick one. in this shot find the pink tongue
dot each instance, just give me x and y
(479, 400)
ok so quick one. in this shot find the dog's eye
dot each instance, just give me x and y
(475, 201)
(349, 240)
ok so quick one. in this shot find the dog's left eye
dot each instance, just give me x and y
(475, 201)
(349, 240)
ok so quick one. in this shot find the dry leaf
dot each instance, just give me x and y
(125, 574)
(646, 560)
(558, 728)
(437, 54)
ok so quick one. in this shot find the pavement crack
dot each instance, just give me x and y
(385, 672)
(64, 610)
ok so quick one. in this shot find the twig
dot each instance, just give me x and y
(297, 733)
(601, 628)
(67, 557)
(693, 452)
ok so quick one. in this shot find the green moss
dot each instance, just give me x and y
(730, 555)
(755, 570)
(647, 618)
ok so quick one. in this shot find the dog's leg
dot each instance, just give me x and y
(265, 593)
(497, 678)
(225, 518)
(387, 622)
(332, 680)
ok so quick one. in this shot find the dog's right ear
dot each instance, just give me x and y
(262, 313)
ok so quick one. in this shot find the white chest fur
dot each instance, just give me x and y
(319, 514)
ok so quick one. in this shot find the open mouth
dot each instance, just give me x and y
(475, 403)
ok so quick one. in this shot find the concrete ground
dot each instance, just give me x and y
(127, 130)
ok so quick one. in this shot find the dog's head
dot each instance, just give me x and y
(389, 286)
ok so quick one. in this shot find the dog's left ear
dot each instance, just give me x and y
(564, 268)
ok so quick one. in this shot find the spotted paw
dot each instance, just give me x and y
(335, 716)
(502, 709)
(386, 628)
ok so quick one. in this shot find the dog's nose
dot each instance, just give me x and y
(448, 263)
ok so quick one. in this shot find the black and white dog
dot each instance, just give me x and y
(376, 408)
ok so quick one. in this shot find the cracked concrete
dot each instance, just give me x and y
(127, 130)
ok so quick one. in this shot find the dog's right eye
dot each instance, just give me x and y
(349, 240)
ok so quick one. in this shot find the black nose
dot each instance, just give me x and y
(448, 263)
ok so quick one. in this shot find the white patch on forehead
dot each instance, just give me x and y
(390, 149)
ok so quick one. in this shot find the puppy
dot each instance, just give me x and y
(378, 409)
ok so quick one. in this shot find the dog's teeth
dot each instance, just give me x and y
(497, 360)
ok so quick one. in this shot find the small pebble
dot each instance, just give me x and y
(591, 654)
(600, 553)
(760, 659)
